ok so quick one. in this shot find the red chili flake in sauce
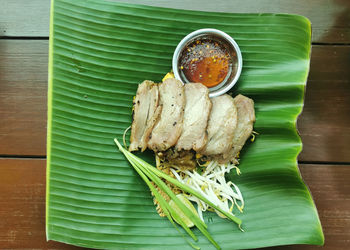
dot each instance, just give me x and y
(206, 61)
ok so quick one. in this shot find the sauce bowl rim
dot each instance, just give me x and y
(221, 35)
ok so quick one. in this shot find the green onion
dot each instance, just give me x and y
(151, 174)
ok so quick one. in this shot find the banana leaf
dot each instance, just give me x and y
(99, 52)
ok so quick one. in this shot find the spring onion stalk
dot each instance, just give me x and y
(175, 182)
(184, 187)
(167, 209)
(150, 174)
(180, 204)
(196, 220)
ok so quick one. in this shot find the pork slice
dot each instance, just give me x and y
(245, 122)
(197, 110)
(146, 112)
(168, 128)
(221, 126)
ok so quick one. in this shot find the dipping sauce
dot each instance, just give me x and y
(208, 61)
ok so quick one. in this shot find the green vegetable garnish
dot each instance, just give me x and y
(152, 177)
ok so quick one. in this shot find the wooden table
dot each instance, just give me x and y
(324, 124)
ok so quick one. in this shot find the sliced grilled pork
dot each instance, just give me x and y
(168, 128)
(246, 119)
(221, 126)
(146, 112)
(197, 110)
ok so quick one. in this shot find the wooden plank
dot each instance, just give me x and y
(24, 18)
(22, 204)
(330, 19)
(324, 124)
(23, 91)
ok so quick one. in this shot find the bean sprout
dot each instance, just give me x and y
(212, 185)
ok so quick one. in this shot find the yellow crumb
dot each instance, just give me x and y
(168, 75)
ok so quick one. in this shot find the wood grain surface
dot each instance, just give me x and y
(23, 91)
(324, 124)
(22, 204)
(330, 18)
